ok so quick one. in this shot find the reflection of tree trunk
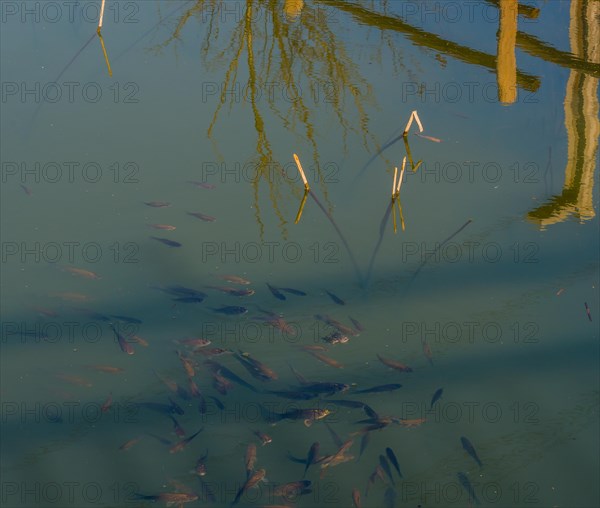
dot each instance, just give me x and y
(581, 122)
(506, 64)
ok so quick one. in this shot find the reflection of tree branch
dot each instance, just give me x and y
(428, 40)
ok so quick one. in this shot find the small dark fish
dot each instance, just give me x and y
(464, 481)
(370, 412)
(26, 189)
(176, 407)
(265, 439)
(348, 403)
(275, 292)
(159, 407)
(311, 458)
(436, 396)
(161, 440)
(390, 497)
(364, 442)
(356, 498)
(157, 204)
(189, 299)
(182, 291)
(309, 415)
(337, 440)
(392, 456)
(123, 344)
(224, 371)
(212, 351)
(294, 395)
(256, 368)
(357, 325)
(297, 460)
(468, 447)
(386, 467)
(201, 216)
(231, 310)
(177, 447)
(217, 402)
(176, 427)
(166, 241)
(202, 185)
(335, 298)
(380, 388)
(324, 387)
(587, 310)
(127, 319)
(293, 291)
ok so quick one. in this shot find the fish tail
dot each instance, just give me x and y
(270, 416)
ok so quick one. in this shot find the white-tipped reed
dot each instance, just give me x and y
(101, 15)
(401, 176)
(413, 116)
(306, 186)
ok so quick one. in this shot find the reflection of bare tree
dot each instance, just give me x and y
(278, 51)
(581, 121)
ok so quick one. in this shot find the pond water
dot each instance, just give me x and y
(150, 195)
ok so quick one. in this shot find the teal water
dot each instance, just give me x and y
(501, 304)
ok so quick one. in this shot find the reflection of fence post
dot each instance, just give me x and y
(506, 64)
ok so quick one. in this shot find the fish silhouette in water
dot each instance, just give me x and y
(312, 456)
(201, 216)
(276, 293)
(392, 457)
(189, 299)
(386, 467)
(230, 310)
(157, 204)
(469, 448)
(335, 298)
(166, 241)
(123, 344)
(293, 291)
(464, 481)
(380, 388)
(221, 370)
(436, 396)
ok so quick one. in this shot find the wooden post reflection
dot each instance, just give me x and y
(506, 64)
(293, 8)
(581, 122)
